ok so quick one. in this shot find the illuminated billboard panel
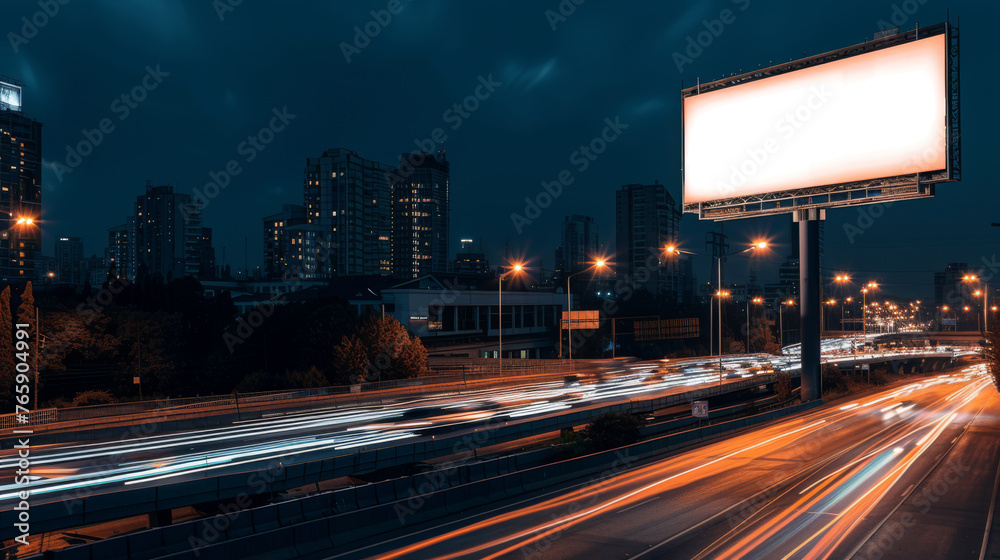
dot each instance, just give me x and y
(10, 96)
(856, 117)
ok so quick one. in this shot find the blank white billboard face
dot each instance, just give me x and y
(875, 115)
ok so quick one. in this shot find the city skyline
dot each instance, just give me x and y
(532, 115)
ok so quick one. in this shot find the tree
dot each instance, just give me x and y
(991, 353)
(26, 311)
(762, 337)
(379, 349)
(411, 360)
(611, 430)
(6, 349)
(90, 398)
(783, 385)
(308, 379)
(350, 360)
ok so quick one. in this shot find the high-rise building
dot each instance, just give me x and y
(420, 199)
(91, 269)
(69, 254)
(168, 238)
(20, 187)
(950, 289)
(579, 246)
(470, 259)
(348, 198)
(121, 249)
(292, 246)
(206, 253)
(647, 219)
(276, 242)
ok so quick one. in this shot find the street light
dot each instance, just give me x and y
(781, 323)
(864, 307)
(831, 301)
(985, 291)
(516, 269)
(756, 299)
(672, 250)
(599, 264)
(757, 245)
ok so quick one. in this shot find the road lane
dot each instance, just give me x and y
(795, 488)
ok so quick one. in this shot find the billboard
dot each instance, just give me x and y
(10, 96)
(866, 124)
(588, 319)
(664, 329)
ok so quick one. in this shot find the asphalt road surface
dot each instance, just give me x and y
(906, 472)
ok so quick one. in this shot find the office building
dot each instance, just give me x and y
(164, 238)
(69, 254)
(20, 187)
(580, 245)
(121, 249)
(470, 260)
(348, 198)
(647, 219)
(293, 248)
(420, 221)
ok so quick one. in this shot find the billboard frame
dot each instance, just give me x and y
(868, 191)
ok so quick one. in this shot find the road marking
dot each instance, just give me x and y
(639, 504)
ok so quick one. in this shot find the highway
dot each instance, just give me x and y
(905, 472)
(61, 470)
(67, 469)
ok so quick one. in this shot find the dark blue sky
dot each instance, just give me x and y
(557, 87)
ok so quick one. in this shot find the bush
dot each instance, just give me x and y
(90, 398)
(309, 379)
(611, 430)
(567, 435)
(783, 385)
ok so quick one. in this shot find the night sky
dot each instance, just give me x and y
(557, 87)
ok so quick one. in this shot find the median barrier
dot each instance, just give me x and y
(312, 537)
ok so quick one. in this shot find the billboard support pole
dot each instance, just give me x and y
(809, 286)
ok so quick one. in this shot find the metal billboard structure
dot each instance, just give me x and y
(893, 132)
(874, 63)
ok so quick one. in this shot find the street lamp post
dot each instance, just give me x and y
(985, 292)
(517, 268)
(673, 250)
(781, 323)
(864, 309)
(756, 299)
(599, 264)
